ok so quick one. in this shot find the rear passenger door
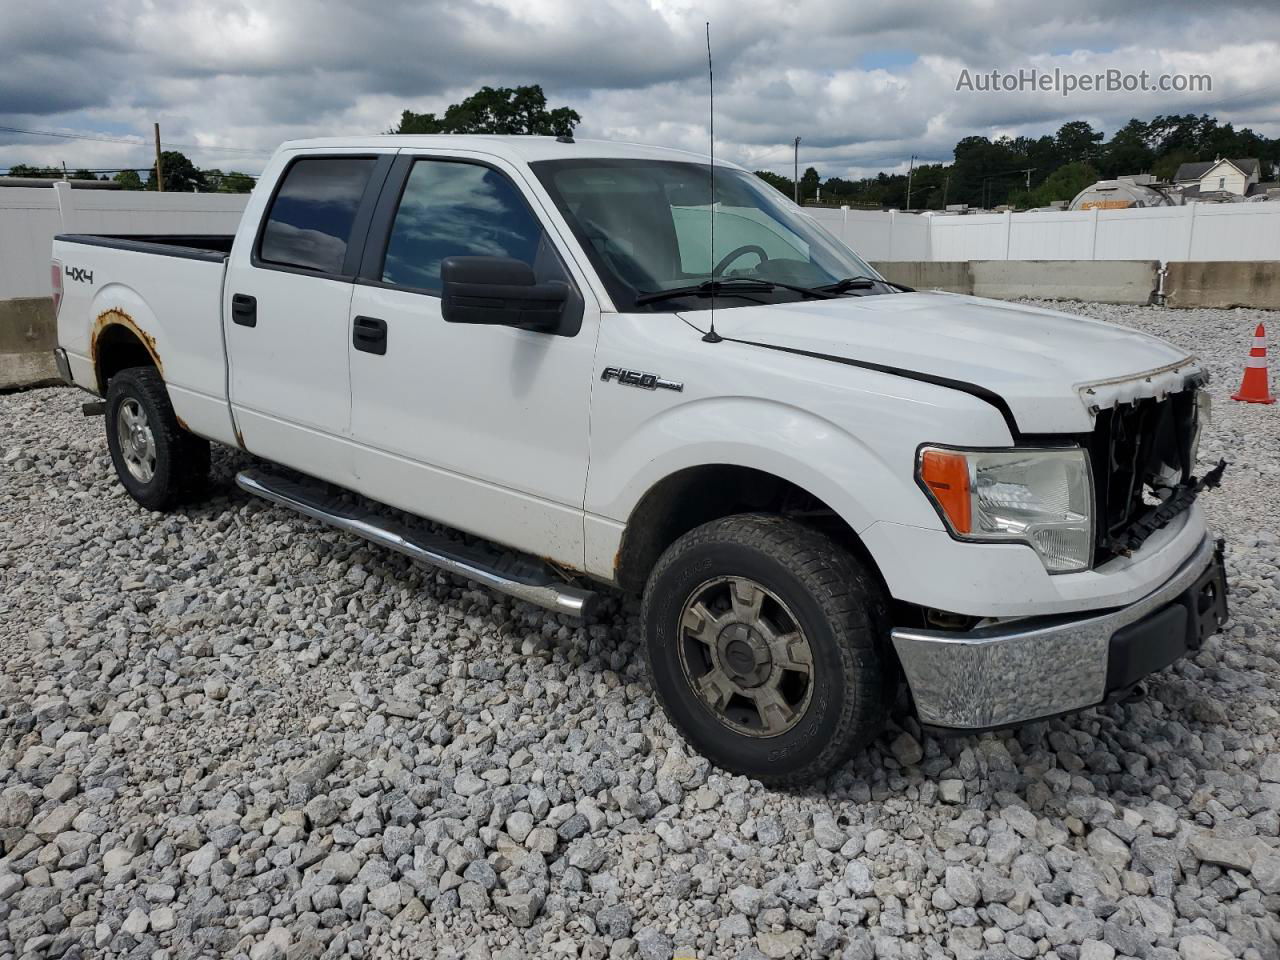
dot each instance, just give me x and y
(288, 297)
(484, 428)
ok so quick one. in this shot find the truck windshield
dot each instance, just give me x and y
(646, 225)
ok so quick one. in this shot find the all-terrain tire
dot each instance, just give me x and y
(175, 468)
(839, 607)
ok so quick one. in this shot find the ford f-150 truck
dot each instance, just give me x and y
(606, 365)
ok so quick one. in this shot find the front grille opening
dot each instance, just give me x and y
(1140, 454)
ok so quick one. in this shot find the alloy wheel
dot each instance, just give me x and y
(746, 657)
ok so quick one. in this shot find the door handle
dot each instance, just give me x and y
(369, 335)
(244, 310)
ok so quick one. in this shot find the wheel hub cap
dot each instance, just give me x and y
(745, 657)
(137, 444)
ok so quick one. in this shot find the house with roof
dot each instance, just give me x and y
(1218, 179)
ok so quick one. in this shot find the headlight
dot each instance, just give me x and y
(1042, 497)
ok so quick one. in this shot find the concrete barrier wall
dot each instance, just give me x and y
(1223, 283)
(28, 335)
(1104, 281)
(952, 276)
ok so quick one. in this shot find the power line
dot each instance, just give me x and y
(251, 176)
(132, 143)
(1241, 96)
(32, 166)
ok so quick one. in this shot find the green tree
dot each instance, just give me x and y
(231, 182)
(129, 180)
(784, 185)
(502, 110)
(810, 180)
(1186, 132)
(1128, 151)
(1076, 141)
(1063, 184)
(237, 182)
(180, 174)
(44, 173)
(976, 159)
(50, 173)
(1168, 164)
(991, 172)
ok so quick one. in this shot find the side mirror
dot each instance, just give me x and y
(500, 291)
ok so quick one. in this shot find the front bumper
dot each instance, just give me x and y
(1039, 667)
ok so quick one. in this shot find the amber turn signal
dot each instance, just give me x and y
(946, 474)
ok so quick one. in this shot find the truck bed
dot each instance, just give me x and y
(214, 247)
(163, 293)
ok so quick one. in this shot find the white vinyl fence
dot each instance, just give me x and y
(1197, 231)
(30, 216)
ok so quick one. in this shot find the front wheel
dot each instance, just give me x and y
(158, 462)
(762, 637)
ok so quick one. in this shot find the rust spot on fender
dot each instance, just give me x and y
(239, 436)
(117, 317)
(182, 423)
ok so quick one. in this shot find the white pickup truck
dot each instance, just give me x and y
(822, 483)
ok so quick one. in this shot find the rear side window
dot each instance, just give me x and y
(452, 209)
(309, 223)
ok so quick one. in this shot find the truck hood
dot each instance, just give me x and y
(1051, 371)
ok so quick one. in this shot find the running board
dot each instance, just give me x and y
(518, 576)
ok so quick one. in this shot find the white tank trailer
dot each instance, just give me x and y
(1125, 192)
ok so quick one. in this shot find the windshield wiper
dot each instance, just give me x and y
(861, 283)
(731, 285)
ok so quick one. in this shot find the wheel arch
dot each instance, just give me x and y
(695, 495)
(117, 343)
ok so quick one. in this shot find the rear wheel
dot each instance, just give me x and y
(762, 637)
(159, 463)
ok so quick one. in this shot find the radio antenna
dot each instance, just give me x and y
(711, 336)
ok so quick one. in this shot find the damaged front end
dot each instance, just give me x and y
(1143, 454)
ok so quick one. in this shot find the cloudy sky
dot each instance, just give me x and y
(865, 85)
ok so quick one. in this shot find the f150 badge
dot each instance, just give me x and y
(638, 378)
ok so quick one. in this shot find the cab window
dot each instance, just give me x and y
(452, 209)
(309, 224)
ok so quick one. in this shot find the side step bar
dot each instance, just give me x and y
(521, 577)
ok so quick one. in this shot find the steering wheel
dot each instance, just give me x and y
(733, 255)
(626, 265)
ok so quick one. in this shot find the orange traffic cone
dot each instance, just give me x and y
(1254, 388)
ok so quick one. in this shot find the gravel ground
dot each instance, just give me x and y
(230, 732)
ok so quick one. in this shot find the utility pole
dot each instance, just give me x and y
(910, 170)
(159, 169)
(797, 171)
(946, 185)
